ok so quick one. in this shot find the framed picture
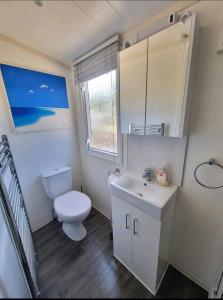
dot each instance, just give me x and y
(37, 100)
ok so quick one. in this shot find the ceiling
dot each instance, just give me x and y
(65, 30)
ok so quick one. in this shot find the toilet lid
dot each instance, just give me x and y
(72, 204)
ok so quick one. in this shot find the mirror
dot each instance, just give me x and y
(154, 82)
(133, 68)
(167, 71)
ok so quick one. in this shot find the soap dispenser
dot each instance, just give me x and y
(162, 176)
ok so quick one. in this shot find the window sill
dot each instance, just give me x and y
(104, 155)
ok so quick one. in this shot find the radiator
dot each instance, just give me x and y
(14, 210)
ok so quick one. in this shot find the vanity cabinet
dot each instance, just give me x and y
(155, 81)
(142, 242)
(122, 230)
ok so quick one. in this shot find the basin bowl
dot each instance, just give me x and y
(148, 196)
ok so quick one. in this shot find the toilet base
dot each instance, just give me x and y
(75, 231)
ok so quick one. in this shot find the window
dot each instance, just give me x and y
(100, 99)
(96, 75)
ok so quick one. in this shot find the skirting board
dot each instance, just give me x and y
(45, 222)
(158, 286)
(102, 212)
(191, 277)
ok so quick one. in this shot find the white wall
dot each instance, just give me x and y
(198, 235)
(33, 152)
(157, 152)
(198, 239)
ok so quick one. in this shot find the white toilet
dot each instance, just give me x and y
(71, 207)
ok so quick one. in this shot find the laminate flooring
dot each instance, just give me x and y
(87, 269)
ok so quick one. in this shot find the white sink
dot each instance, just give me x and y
(150, 197)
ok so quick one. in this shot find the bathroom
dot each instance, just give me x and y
(53, 39)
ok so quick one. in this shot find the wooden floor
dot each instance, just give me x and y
(87, 269)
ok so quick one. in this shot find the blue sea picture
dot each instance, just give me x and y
(37, 100)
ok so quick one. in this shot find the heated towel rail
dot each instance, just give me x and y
(147, 130)
(14, 209)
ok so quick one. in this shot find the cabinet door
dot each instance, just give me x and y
(133, 69)
(122, 226)
(168, 61)
(145, 247)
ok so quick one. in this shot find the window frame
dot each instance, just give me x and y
(97, 152)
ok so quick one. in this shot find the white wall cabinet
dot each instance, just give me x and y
(154, 81)
(133, 69)
(142, 242)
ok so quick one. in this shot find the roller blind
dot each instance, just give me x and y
(101, 62)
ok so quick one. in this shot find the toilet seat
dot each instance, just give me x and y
(72, 206)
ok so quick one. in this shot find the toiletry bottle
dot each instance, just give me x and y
(162, 176)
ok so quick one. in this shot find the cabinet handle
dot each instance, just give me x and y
(126, 220)
(134, 226)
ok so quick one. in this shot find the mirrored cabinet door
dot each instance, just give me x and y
(133, 69)
(168, 53)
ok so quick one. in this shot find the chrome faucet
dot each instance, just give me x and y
(148, 174)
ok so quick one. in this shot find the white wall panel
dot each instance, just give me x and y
(132, 12)
(157, 6)
(35, 151)
(104, 15)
